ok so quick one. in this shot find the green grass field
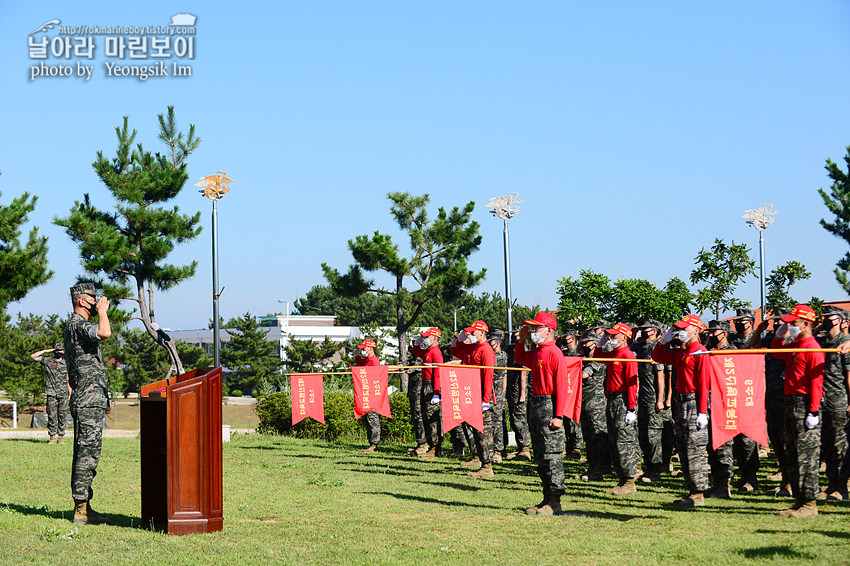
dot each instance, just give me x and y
(302, 502)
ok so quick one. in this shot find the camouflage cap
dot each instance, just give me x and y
(85, 289)
(651, 323)
(829, 310)
(59, 347)
(741, 314)
(779, 312)
(719, 325)
(601, 323)
(496, 334)
(589, 336)
(571, 332)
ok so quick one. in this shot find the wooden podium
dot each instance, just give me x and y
(181, 452)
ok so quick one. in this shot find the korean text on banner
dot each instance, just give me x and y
(461, 397)
(370, 390)
(308, 399)
(737, 398)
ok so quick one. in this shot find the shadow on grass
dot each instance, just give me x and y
(386, 470)
(612, 516)
(460, 486)
(832, 534)
(115, 520)
(772, 552)
(432, 500)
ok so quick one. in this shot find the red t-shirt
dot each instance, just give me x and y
(803, 370)
(482, 354)
(691, 371)
(621, 377)
(433, 355)
(370, 361)
(548, 372)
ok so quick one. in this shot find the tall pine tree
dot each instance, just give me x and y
(838, 203)
(250, 356)
(130, 246)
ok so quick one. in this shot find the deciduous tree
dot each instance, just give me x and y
(721, 268)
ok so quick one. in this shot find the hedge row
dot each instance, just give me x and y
(275, 412)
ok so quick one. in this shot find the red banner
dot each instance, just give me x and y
(573, 410)
(308, 398)
(370, 390)
(737, 398)
(460, 395)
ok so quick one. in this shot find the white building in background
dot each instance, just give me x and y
(280, 329)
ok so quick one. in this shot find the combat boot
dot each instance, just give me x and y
(372, 448)
(60, 440)
(823, 494)
(430, 453)
(651, 475)
(808, 510)
(421, 449)
(693, 500)
(775, 477)
(497, 458)
(475, 462)
(533, 510)
(552, 507)
(721, 490)
(783, 490)
(787, 512)
(52, 439)
(485, 471)
(625, 487)
(523, 455)
(85, 515)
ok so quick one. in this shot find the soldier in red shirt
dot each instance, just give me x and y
(429, 350)
(621, 385)
(366, 357)
(803, 390)
(477, 351)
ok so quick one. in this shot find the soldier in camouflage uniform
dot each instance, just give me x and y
(655, 439)
(573, 430)
(517, 397)
(803, 392)
(414, 395)
(56, 391)
(745, 449)
(720, 460)
(500, 383)
(89, 393)
(593, 419)
(372, 420)
(834, 407)
(774, 402)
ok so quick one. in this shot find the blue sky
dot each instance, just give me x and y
(635, 132)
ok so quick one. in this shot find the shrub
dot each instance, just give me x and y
(236, 393)
(275, 413)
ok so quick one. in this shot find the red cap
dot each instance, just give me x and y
(800, 311)
(543, 319)
(433, 331)
(690, 320)
(620, 328)
(477, 325)
(366, 343)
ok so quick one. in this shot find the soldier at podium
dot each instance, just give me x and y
(89, 393)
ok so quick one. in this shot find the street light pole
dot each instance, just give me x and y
(455, 315)
(760, 219)
(506, 207)
(215, 187)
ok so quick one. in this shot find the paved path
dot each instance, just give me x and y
(7, 434)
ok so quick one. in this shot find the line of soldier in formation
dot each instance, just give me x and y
(651, 410)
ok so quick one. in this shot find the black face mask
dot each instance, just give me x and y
(713, 340)
(585, 351)
(676, 342)
(827, 324)
(740, 328)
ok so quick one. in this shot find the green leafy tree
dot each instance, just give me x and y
(838, 203)
(250, 356)
(437, 267)
(779, 283)
(583, 300)
(130, 246)
(349, 310)
(20, 378)
(22, 266)
(721, 268)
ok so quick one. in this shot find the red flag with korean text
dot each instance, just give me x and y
(737, 398)
(308, 398)
(370, 390)
(574, 367)
(460, 396)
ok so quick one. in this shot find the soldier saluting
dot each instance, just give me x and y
(89, 393)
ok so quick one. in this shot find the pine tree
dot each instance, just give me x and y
(22, 267)
(249, 355)
(438, 264)
(130, 246)
(838, 203)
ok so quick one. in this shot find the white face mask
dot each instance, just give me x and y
(612, 344)
(682, 335)
(472, 339)
(363, 354)
(538, 337)
(791, 334)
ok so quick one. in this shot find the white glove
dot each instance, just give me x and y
(602, 341)
(631, 417)
(783, 330)
(702, 421)
(435, 400)
(812, 421)
(454, 341)
(485, 406)
(667, 337)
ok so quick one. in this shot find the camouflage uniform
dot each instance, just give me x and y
(655, 428)
(833, 413)
(593, 418)
(574, 436)
(802, 447)
(721, 459)
(547, 444)
(431, 415)
(691, 442)
(414, 395)
(56, 392)
(774, 405)
(623, 447)
(89, 401)
(499, 409)
(517, 409)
